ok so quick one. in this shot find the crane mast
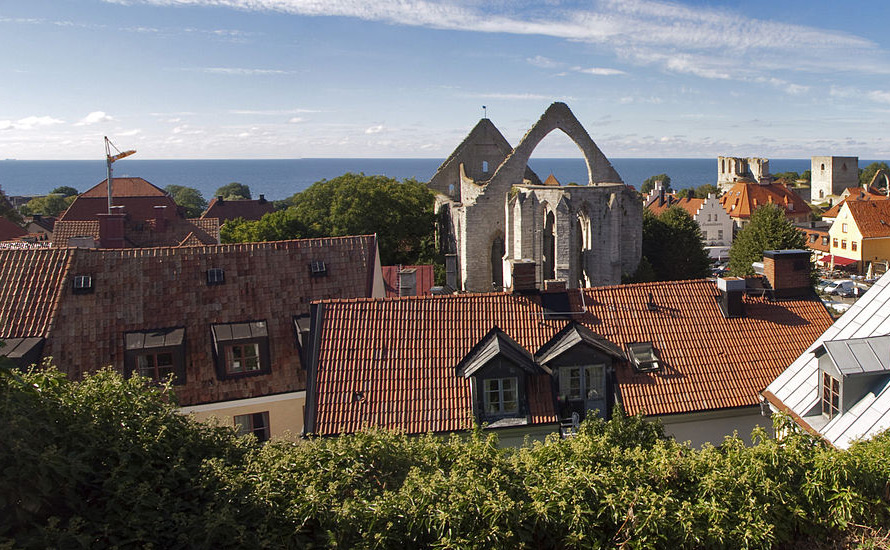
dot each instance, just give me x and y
(109, 160)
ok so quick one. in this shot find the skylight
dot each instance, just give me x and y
(643, 357)
(216, 276)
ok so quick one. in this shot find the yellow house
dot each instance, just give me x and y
(861, 233)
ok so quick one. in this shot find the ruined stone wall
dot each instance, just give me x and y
(831, 175)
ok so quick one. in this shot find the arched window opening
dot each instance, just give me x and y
(548, 259)
(497, 263)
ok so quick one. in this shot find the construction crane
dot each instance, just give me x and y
(109, 159)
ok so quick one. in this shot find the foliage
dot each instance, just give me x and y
(700, 192)
(107, 462)
(768, 229)
(65, 191)
(788, 178)
(649, 183)
(673, 246)
(189, 198)
(867, 173)
(644, 273)
(7, 211)
(807, 175)
(233, 191)
(49, 205)
(400, 213)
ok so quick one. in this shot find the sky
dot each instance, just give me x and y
(409, 78)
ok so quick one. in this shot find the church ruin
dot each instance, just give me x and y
(496, 214)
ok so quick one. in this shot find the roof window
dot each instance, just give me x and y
(82, 284)
(216, 276)
(318, 268)
(643, 356)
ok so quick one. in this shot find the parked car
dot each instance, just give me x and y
(821, 284)
(839, 286)
(855, 291)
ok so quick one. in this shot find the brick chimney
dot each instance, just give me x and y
(523, 276)
(788, 272)
(731, 290)
(111, 230)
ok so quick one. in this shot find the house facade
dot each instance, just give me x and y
(694, 354)
(227, 322)
(494, 210)
(715, 224)
(839, 388)
(861, 234)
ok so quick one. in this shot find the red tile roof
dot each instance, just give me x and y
(144, 233)
(426, 279)
(689, 205)
(10, 230)
(244, 208)
(32, 283)
(836, 209)
(155, 288)
(744, 198)
(401, 353)
(137, 197)
(871, 217)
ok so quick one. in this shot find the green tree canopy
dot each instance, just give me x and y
(867, 173)
(673, 246)
(189, 198)
(50, 205)
(788, 178)
(807, 175)
(233, 191)
(768, 229)
(65, 191)
(401, 214)
(649, 183)
(8, 211)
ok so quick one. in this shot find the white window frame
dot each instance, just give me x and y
(584, 374)
(500, 388)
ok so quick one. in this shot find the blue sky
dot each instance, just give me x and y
(406, 78)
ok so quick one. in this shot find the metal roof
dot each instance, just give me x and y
(860, 355)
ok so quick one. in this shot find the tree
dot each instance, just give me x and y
(65, 191)
(867, 173)
(400, 213)
(50, 205)
(788, 178)
(807, 175)
(649, 183)
(672, 245)
(233, 191)
(189, 198)
(8, 211)
(768, 229)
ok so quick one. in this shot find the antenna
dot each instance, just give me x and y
(484, 111)
(109, 159)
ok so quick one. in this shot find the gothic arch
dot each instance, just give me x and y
(559, 116)
(496, 269)
(879, 175)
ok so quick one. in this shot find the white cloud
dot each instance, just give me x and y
(294, 120)
(880, 96)
(241, 71)
(510, 96)
(133, 132)
(374, 129)
(29, 123)
(94, 118)
(599, 71)
(544, 62)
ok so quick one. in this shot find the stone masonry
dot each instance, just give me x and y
(494, 210)
(831, 175)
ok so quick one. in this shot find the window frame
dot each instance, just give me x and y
(152, 343)
(228, 336)
(250, 426)
(830, 399)
(853, 246)
(584, 378)
(500, 390)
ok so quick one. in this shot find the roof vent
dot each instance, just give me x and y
(216, 276)
(82, 284)
(318, 268)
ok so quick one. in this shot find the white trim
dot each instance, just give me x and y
(219, 405)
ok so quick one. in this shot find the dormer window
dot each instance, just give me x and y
(241, 349)
(318, 268)
(831, 395)
(501, 396)
(156, 354)
(643, 357)
(216, 276)
(850, 370)
(82, 284)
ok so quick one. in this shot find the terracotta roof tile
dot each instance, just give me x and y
(144, 233)
(744, 198)
(124, 187)
(871, 217)
(136, 196)
(32, 283)
(231, 209)
(836, 209)
(391, 363)
(689, 205)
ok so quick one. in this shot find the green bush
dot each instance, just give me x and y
(108, 462)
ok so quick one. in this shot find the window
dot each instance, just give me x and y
(843, 244)
(582, 382)
(843, 228)
(241, 349)
(318, 268)
(256, 424)
(834, 243)
(719, 234)
(853, 246)
(156, 354)
(82, 284)
(242, 358)
(485, 166)
(824, 241)
(643, 356)
(501, 396)
(831, 395)
(813, 238)
(216, 276)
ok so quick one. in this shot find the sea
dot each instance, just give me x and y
(280, 178)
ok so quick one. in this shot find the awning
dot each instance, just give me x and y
(838, 260)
